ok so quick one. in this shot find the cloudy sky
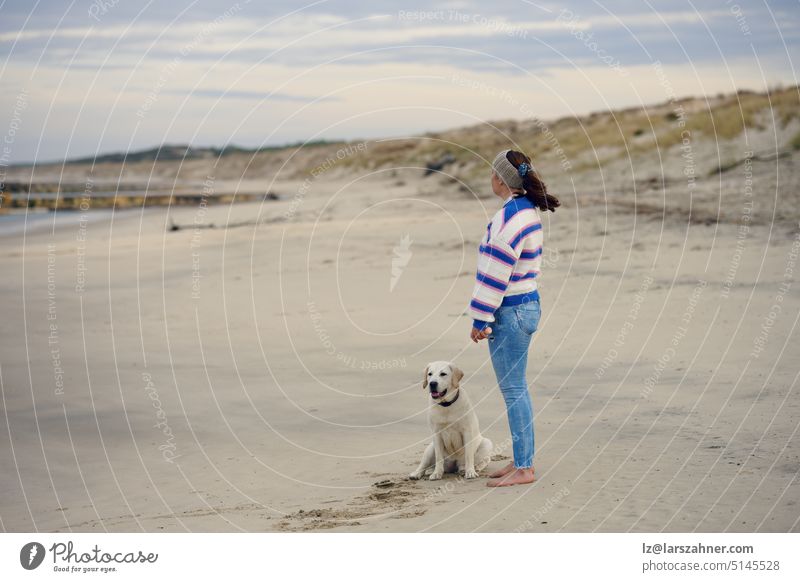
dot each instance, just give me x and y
(87, 77)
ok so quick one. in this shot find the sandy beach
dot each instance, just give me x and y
(266, 376)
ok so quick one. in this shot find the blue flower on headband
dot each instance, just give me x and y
(523, 169)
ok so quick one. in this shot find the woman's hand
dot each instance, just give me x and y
(478, 334)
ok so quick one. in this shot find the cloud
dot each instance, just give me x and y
(333, 65)
(247, 95)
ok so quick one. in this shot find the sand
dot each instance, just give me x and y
(266, 377)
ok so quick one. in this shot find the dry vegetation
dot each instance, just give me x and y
(618, 149)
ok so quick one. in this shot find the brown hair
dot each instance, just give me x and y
(535, 189)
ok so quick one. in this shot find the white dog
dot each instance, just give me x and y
(457, 442)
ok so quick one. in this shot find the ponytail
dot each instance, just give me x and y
(532, 183)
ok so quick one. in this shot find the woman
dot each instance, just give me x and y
(505, 303)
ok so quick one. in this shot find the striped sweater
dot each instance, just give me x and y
(509, 259)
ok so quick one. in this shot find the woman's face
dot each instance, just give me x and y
(498, 187)
(501, 190)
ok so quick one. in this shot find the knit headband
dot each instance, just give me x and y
(511, 176)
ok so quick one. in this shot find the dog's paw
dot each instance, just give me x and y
(414, 476)
(471, 474)
(435, 476)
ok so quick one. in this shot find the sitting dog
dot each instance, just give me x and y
(457, 442)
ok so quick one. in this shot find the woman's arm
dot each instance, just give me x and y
(496, 262)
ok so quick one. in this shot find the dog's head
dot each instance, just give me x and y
(441, 378)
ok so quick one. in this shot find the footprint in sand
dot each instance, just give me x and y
(386, 498)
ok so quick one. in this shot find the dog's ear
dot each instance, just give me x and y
(425, 377)
(457, 375)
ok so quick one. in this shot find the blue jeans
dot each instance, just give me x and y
(511, 335)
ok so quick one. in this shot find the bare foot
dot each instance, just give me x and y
(515, 477)
(504, 471)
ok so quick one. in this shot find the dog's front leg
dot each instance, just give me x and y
(471, 442)
(427, 461)
(438, 467)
